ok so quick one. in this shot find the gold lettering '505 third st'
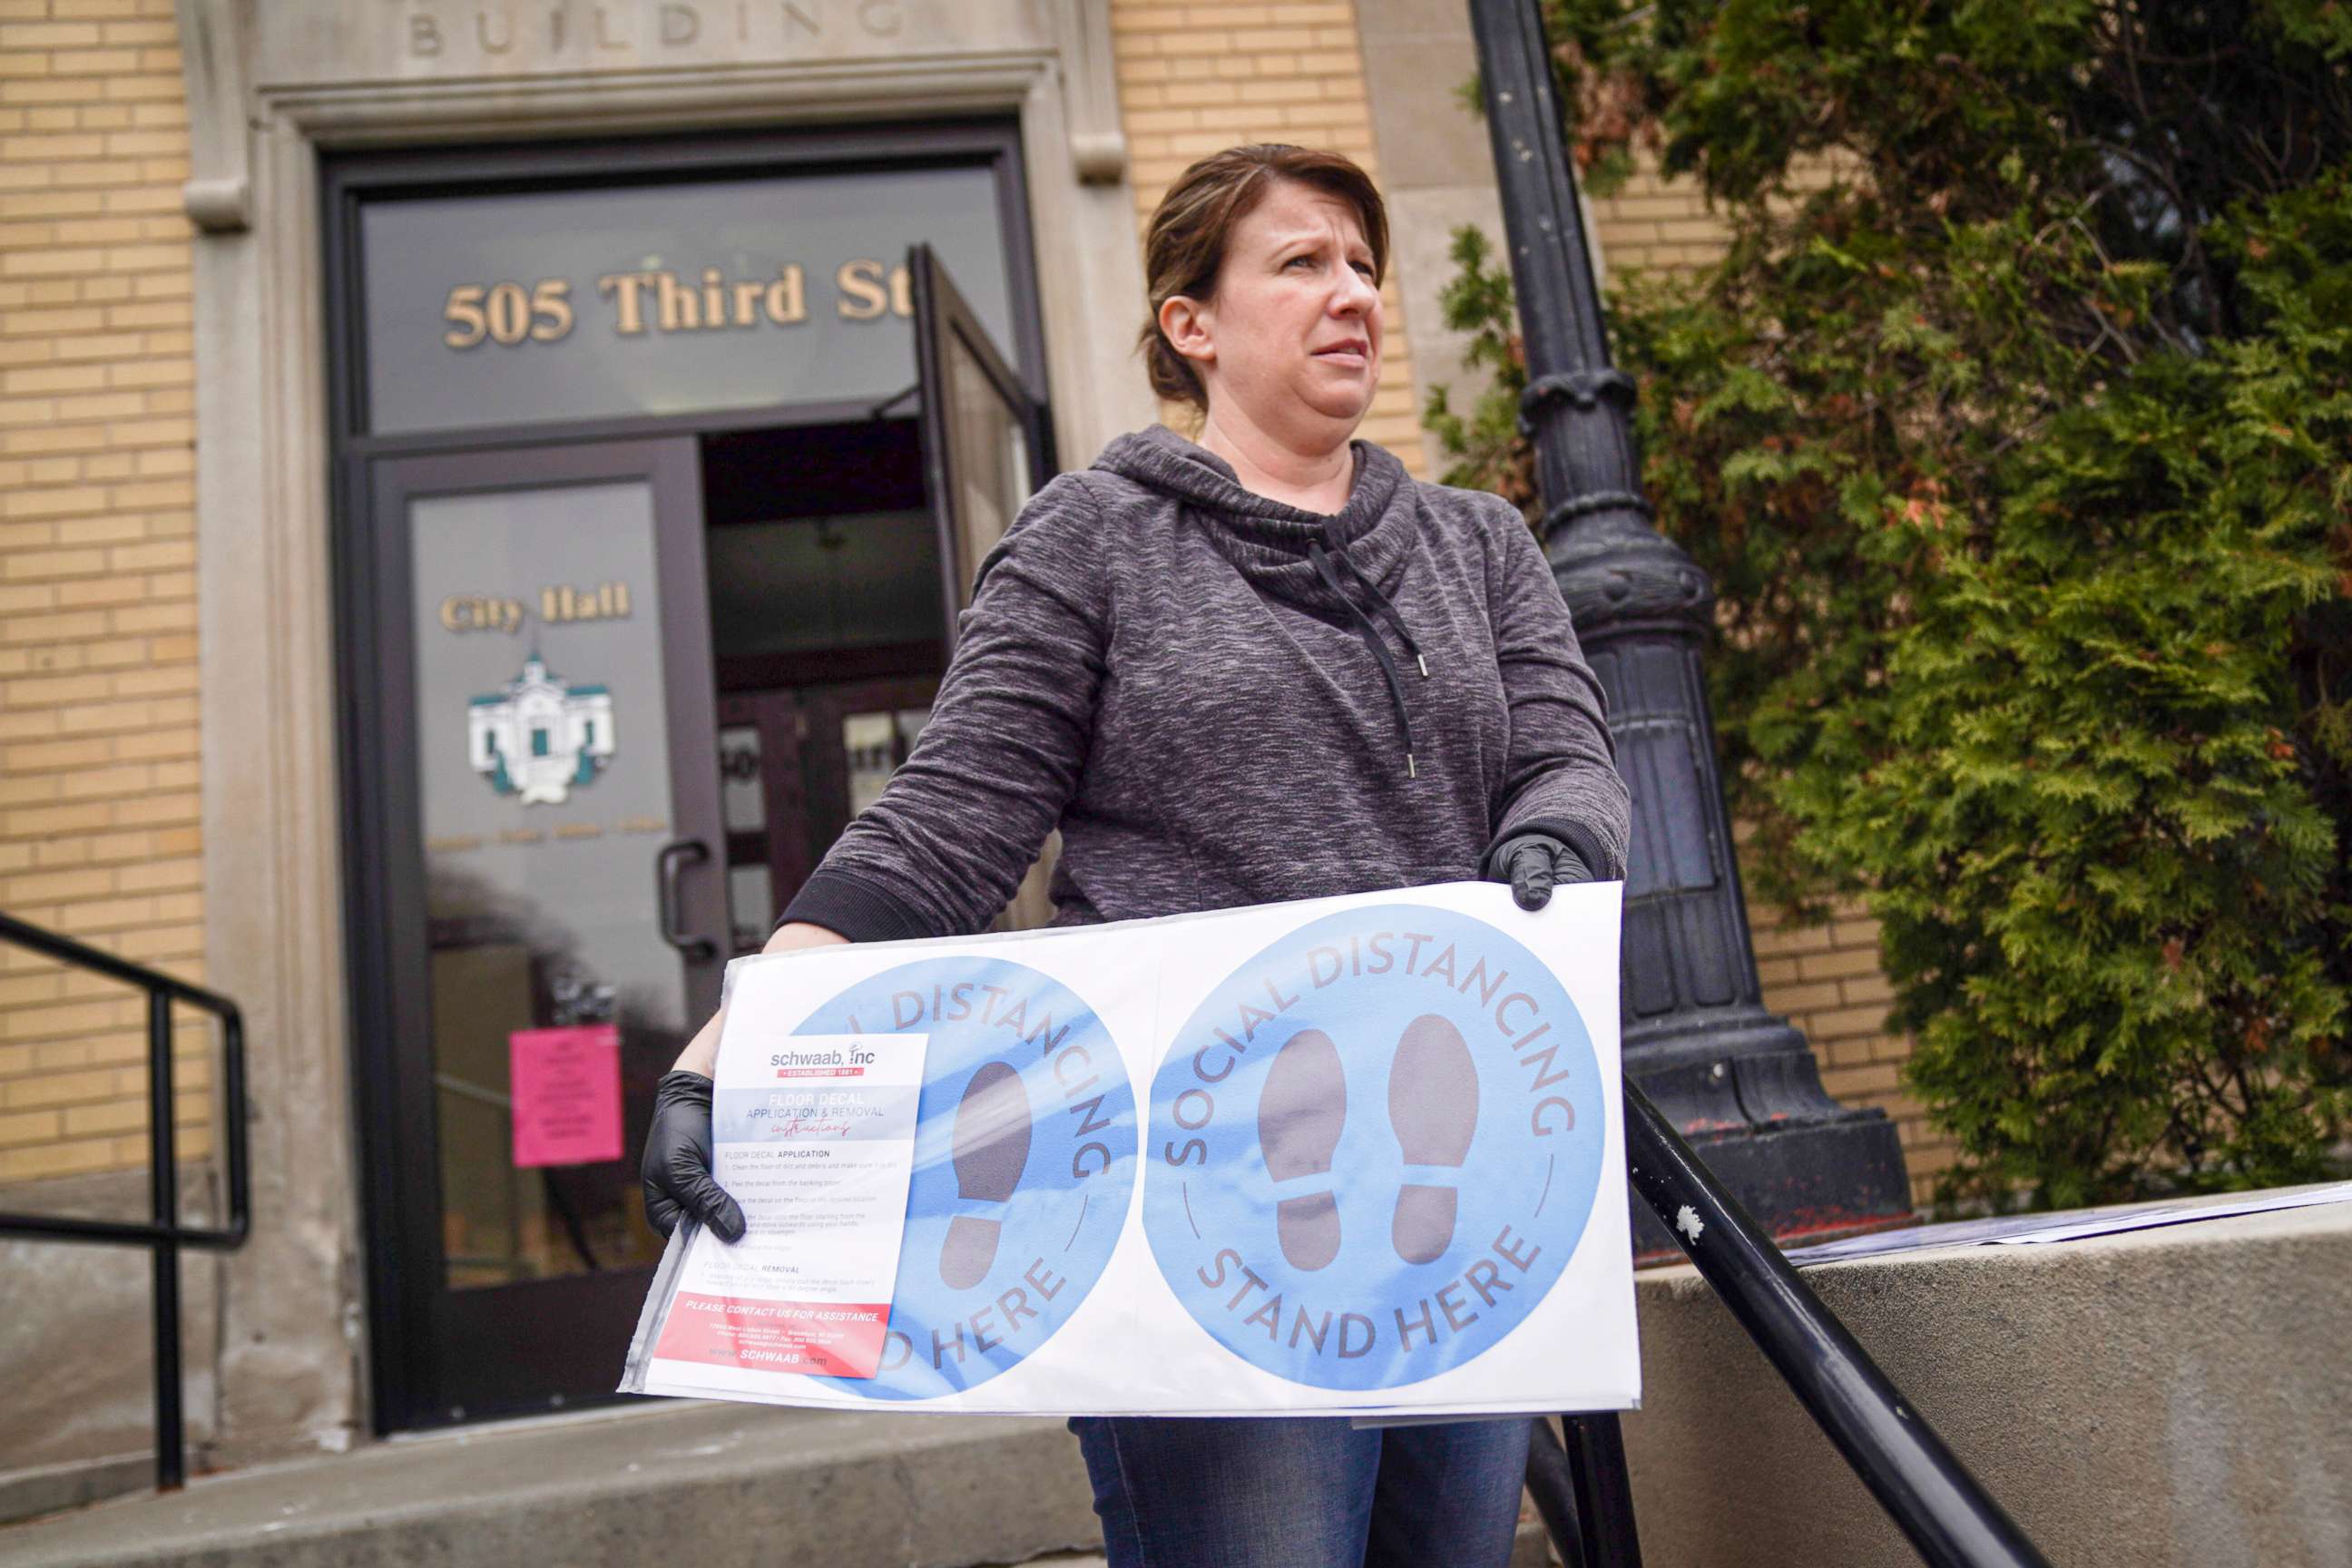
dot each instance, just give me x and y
(657, 300)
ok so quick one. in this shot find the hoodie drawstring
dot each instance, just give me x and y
(1321, 557)
(1388, 611)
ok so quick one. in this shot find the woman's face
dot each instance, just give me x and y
(1291, 340)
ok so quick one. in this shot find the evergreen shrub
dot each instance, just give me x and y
(2015, 429)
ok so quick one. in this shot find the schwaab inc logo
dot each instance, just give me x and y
(1025, 1161)
(1374, 1147)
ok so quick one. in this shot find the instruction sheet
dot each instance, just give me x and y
(814, 1137)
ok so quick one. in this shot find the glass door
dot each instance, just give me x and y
(546, 860)
(986, 450)
(984, 439)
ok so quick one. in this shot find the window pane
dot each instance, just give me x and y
(542, 766)
(753, 902)
(991, 454)
(869, 742)
(861, 580)
(743, 798)
(519, 306)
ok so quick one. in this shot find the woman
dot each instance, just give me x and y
(1264, 666)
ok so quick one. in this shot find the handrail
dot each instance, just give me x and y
(1949, 1516)
(163, 1234)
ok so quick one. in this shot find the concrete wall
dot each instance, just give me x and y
(2174, 1396)
(77, 1346)
(1437, 172)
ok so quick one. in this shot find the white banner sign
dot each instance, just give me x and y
(1360, 1156)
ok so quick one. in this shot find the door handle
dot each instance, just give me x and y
(673, 859)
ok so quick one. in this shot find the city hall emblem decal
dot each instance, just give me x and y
(538, 737)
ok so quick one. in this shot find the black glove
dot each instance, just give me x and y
(1534, 863)
(677, 1159)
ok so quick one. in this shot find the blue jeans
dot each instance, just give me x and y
(1304, 1491)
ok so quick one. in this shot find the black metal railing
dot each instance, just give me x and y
(1582, 1490)
(162, 1234)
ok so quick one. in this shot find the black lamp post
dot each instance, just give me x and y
(1737, 1083)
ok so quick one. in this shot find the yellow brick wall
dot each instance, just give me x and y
(1825, 978)
(1652, 222)
(1655, 222)
(1197, 78)
(98, 822)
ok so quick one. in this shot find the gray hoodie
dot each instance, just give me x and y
(1221, 700)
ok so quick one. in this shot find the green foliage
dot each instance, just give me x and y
(2019, 449)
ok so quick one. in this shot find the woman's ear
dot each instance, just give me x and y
(1189, 327)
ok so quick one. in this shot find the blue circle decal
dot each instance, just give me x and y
(1374, 1147)
(1024, 1160)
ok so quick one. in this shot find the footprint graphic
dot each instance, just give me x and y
(1299, 1117)
(991, 1146)
(1433, 1106)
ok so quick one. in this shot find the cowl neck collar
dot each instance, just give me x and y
(1267, 540)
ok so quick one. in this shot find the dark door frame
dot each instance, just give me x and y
(383, 1120)
(942, 316)
(827, 773)
(350, 180)
(781, 841)
(804, 775)
(389, 938)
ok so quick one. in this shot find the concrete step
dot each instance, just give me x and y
(709, 1484)
(704, 1483)
(1530, 1549)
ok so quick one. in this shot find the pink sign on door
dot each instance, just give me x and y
(566, 1085)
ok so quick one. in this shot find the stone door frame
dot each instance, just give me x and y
(293, 1353)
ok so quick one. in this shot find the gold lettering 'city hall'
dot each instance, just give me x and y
(558, 605)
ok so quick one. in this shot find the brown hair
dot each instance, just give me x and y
(1184, 249)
